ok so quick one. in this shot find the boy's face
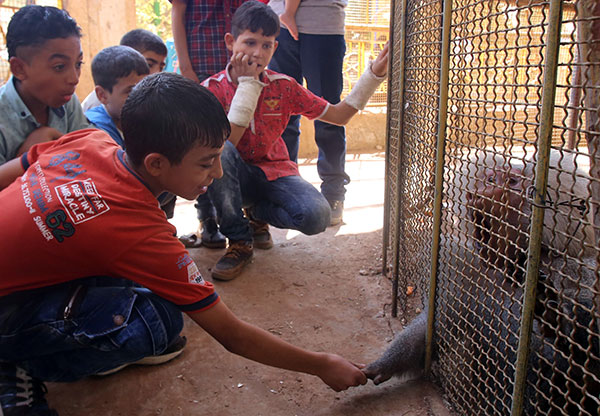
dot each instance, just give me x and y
(190, 178)
(258, 47)
(155, 61)
(114, 101)
(49, 72)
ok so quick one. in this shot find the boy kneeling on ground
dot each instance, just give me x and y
(82, 207)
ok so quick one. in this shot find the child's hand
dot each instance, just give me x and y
(39, 135)
(241, 65)
(380, 64)
(339, 373)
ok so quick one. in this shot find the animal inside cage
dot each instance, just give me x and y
(493, 197)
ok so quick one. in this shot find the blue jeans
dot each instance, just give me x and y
(288, 202)
(319, 59)
(106, 327)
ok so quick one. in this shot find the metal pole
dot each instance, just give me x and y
(386, 197)
(401, 69)
(537, 220)
(439, 176)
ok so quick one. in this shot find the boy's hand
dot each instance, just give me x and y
(339, 373)
(40, 135)
(241, 65)
(380, 64)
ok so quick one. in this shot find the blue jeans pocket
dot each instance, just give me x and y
(102, 314)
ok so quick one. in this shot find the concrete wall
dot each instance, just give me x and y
(364, 133)
(102, 22)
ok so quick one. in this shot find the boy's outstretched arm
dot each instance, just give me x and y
(369, 81)
(180, 39)
(259, 345)
(10, 171)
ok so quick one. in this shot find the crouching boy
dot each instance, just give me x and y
(82, 206)
(259, 174)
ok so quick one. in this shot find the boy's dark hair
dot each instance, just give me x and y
(33, 25)
(255, 16)
(143, 40)
(167, 113)
(116, 62)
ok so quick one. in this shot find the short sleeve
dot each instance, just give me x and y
(306, 103)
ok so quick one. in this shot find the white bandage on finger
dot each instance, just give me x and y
(364, 89)
(244, 101)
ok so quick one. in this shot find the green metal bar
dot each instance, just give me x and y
(439, 177)
(537, 220)
(401, 71)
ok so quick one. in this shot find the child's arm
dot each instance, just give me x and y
(288, 17)
(342, 112)
(180, 39)
(241, 110)
(39, 135)
(10, 171)
(259, 345)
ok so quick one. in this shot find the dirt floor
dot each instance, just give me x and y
(324, 292)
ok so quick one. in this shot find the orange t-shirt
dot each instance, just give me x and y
(80, 211)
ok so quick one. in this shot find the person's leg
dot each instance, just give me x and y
(70, 331)
(291, 202)
(210, 235)
(229, 194)
(286, 60)
(322, 59)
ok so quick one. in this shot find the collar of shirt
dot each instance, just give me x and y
(14, 100)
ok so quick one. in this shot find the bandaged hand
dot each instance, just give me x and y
(244, 101)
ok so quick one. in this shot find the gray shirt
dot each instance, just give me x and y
(17, 122)
(317, 17)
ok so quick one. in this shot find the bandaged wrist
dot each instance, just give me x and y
(244, 101)
(364, 89)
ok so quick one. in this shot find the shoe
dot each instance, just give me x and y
(21, 394)
(233, 261)
(210, 235)
(261, 235)
(172, 351)
(337, 212)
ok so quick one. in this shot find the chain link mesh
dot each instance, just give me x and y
(497, 62)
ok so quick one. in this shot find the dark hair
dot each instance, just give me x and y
(116, 62)
(255, 16)
(143, 40)
(33, 25)
(167, 113)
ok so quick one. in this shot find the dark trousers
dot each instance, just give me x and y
(319, 59)
(73, 330)
(289, 202)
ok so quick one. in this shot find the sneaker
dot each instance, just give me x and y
(210, 235)
(233, 261)
(337, 212)
(21, 394)
(261, 235)
(172, 351)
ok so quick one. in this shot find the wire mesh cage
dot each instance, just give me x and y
(493, 197)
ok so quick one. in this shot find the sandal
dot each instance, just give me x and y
(190, 240)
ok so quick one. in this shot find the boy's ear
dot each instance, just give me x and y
(229, 40)
(101, 94)
(18, 67)
(275, 45)
(156, 164)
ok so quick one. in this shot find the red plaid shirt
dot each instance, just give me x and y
(206, 23)
(262, 145)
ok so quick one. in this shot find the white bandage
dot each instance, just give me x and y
(244, 101)
(364, 88)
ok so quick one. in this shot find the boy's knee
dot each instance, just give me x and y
(316, 219)
(230, 156)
